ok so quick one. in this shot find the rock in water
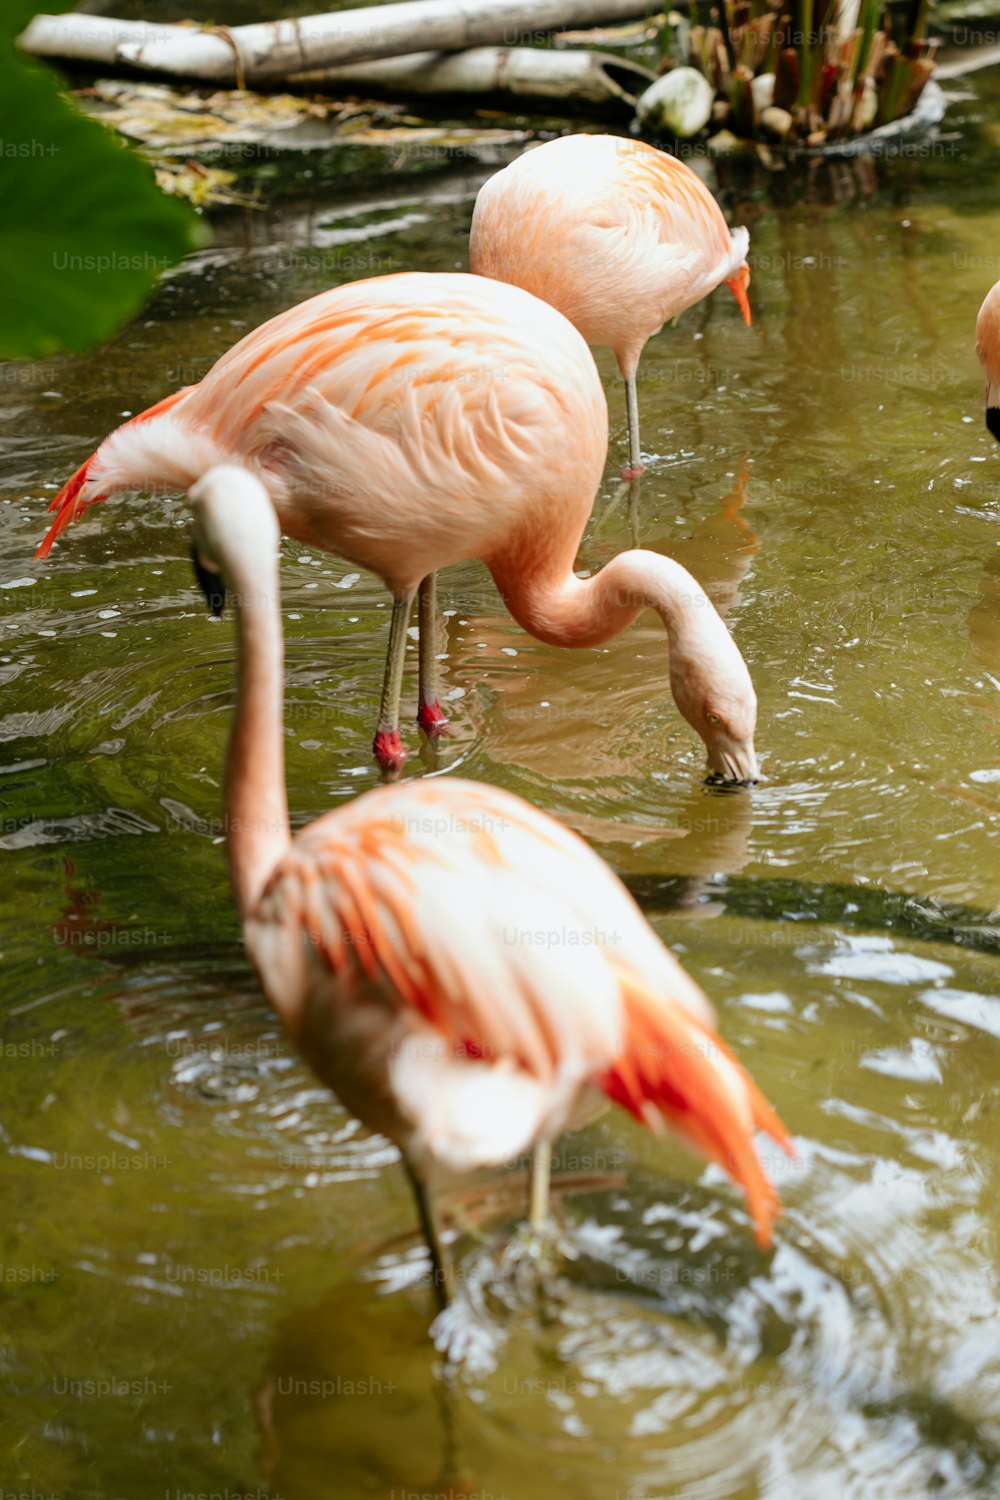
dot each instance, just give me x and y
(680, 102)
(776, 121)
(762, 89)
(725, 144)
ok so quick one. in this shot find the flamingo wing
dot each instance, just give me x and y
(697, 246)
(404, 386)
(687, 213)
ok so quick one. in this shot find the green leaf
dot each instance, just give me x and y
(85, 232)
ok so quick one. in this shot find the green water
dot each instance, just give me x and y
(211, 1280)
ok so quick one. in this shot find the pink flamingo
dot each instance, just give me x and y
(464, 972)
(413, 421)
(988, 349)
(618, 236)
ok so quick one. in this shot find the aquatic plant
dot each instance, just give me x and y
(807, 71)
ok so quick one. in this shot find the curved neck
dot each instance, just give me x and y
(256, 802)
(564, 610)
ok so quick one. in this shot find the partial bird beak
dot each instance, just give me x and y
(732, 762)
(210, 582)
(993, 408)
(738, 286)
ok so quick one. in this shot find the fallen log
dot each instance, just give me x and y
(592, 78)
(267, 52)
(89, 39)
(967, 60)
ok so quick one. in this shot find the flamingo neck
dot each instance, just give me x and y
(565, 610)
(256, 803)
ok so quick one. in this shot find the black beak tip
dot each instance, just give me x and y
(720, 783)
(993, 421)
(211, 585)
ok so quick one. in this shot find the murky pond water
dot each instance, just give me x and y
(209, 1275)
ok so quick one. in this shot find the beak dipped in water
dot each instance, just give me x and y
(738, 286)
(210, 583)
(993, 408)
(733, 763)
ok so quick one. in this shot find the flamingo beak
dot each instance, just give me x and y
(993, 409)
(210, 583)
(731, 763)
(738, 286)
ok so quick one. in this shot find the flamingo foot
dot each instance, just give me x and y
(390, 752)
(431, 719)
(462, 1338)
(632, 471)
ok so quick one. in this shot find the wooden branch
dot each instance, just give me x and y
(967, 60)
(264, 53)
(82, 38)
(524, 72)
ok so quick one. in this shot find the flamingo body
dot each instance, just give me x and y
(468, 1041)
(416, 420)
(402, 422)
(460, 968)
(618, 236)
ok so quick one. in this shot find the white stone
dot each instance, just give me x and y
(681, 102)
(762, 91)
(778, 121)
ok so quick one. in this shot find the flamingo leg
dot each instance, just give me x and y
(541, 1173)
(388, 746)
(429, 714)
(444, 1275)
(635, 464)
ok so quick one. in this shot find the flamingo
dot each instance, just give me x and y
(416, 420)
(462, 970)
(988, 349)
(617, 235)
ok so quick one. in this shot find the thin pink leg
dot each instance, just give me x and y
(635, 463)
(388, 746)
(430, 716)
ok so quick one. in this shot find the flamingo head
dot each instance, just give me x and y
(210, 582)
(992, 394)
(712, 688)
(993, 409)
(988, 349)
(738, 286)
(235, 533)
(729, 742)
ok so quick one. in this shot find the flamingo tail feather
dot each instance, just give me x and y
(71, 502)
(674, 1070)
(68, 506)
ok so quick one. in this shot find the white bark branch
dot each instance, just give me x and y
(267, 51)
(524, 72)
(971, 59)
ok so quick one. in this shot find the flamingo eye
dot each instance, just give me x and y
(713, 718)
